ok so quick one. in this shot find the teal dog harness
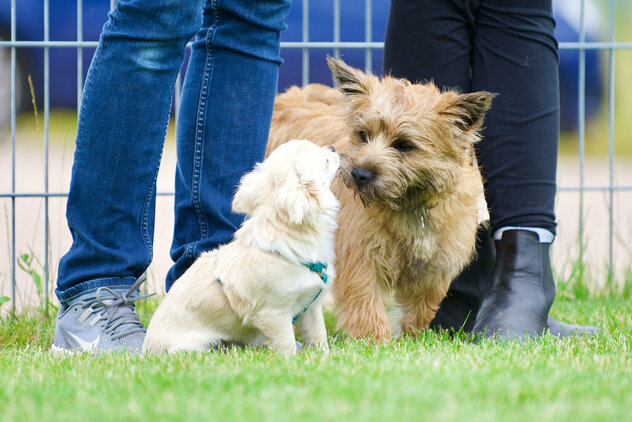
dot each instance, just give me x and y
(319, 268)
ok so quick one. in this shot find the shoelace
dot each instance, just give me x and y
(125, 323)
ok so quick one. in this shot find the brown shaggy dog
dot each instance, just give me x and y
(407, 185)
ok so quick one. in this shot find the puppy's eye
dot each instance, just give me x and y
(402, 145)
(363, 137)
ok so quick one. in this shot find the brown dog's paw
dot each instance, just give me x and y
(377, 332)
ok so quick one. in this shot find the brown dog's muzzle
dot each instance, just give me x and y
(362, 176)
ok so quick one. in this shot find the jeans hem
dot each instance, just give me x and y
(67, 295)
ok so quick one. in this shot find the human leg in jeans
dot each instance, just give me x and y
(506, 47)
(225, 116)
(123, 120)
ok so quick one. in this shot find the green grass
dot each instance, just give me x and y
(432, 377)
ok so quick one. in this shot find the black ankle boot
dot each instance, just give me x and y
(516, 305)
(461, 305)
(562, 329)
(559, 328)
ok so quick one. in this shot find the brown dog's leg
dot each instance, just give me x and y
(361, 310)
(418, 305)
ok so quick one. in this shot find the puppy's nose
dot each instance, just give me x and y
(362, 175)
(331, 148)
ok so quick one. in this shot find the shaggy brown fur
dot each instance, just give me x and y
(409, 216)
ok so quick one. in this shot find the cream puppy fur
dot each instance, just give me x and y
(250, 290)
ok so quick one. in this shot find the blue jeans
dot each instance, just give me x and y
(222, 132)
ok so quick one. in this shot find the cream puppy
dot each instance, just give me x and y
(276, 270)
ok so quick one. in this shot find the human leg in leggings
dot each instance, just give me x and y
(506, 47)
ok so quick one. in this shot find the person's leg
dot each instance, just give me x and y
(432, 41)
(428, 40)
(225, 116)
(515, 55)
(122, 124)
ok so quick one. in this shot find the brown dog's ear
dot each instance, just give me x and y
(467, 111)
(348, 80)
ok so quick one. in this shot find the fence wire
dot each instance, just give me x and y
(305, 45)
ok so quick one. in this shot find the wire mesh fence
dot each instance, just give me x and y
(334, 45)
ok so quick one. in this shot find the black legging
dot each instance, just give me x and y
(502, 46)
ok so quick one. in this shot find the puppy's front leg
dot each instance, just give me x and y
(311, 324)
(276, 327)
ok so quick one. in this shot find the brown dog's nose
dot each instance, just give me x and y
(361, 176)
(331, 148)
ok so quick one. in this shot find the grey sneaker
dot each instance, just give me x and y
(103, 323)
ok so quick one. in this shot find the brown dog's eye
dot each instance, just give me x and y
(363, 137)
(402, 145)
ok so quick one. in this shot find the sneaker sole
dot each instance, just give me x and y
(62, 351)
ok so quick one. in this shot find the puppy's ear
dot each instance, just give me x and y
(467, 111)
(249, 191)
(347, 80)
(297, 198)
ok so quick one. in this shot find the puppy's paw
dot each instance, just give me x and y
(285, 347)
(322, 346)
